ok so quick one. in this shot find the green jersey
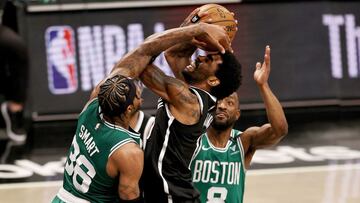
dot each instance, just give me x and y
(85, 176)
(219, 173)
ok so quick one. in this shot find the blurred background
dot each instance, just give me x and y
(315, 61)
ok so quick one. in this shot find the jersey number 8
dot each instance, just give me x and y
(216, 195)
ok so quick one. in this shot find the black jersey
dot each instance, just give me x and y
(169, 151)
(144, 126)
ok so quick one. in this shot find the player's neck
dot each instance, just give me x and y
(134, 119)
(219, 138)
(202, 85)
(124, 123)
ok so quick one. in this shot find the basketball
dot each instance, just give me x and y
(220, 16)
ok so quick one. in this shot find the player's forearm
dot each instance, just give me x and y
(274, 111)
(154, 79)
(181, 37)
(134, 63)
(129, 192)
(166, 87)
(178, 57)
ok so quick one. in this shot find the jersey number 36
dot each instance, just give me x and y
(76, 166)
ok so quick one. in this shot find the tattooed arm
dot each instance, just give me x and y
(134, 63)
(183, 104)
(178, 57)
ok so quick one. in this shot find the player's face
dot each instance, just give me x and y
(202, 68)
(227, 112)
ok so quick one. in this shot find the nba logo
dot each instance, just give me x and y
(61, 60)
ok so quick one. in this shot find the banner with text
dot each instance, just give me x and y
(315, 50)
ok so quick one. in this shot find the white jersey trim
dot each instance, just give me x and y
(200, 100)
(148, 129)
(197, 150)
(139, 121)
(119, 128)
(162, 154)
(69, 198)
(241, 149)
(120, 144)
(219, 149)
(211, 96)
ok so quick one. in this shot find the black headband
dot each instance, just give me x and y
(129, 96)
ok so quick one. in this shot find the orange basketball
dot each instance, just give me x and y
(220, 16)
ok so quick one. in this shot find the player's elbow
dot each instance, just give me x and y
(282, 130)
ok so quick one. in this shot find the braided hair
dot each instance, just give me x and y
(115, 95)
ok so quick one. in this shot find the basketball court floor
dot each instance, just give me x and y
(318, 162)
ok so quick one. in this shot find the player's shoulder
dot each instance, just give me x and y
(127, 157)
(128, 151)
(251, 131)
(236, 131)
(202, 93)
(93, 103)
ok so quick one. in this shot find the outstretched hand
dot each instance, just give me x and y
(262, 72)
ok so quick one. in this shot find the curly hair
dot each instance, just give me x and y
(229, 74)
(115, 95)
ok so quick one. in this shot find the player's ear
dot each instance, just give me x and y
(213, 81)
(130, 108)
(238, 113)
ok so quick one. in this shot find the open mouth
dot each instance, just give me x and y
(193, 65)
(190, 68)
(221, 115)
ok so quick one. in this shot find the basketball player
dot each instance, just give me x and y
(181, 118)
(103, 145)
(105, 162)
(224, 154)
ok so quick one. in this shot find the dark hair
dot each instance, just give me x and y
(229, 74)
(115, 95)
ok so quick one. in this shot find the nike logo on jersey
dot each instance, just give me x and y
(205, 148)
(233, 148)
(97, 126)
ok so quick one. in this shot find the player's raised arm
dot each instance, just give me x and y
(179, 56)
(271, 133)
(174, 91)
(134, 63)
(168, 88)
